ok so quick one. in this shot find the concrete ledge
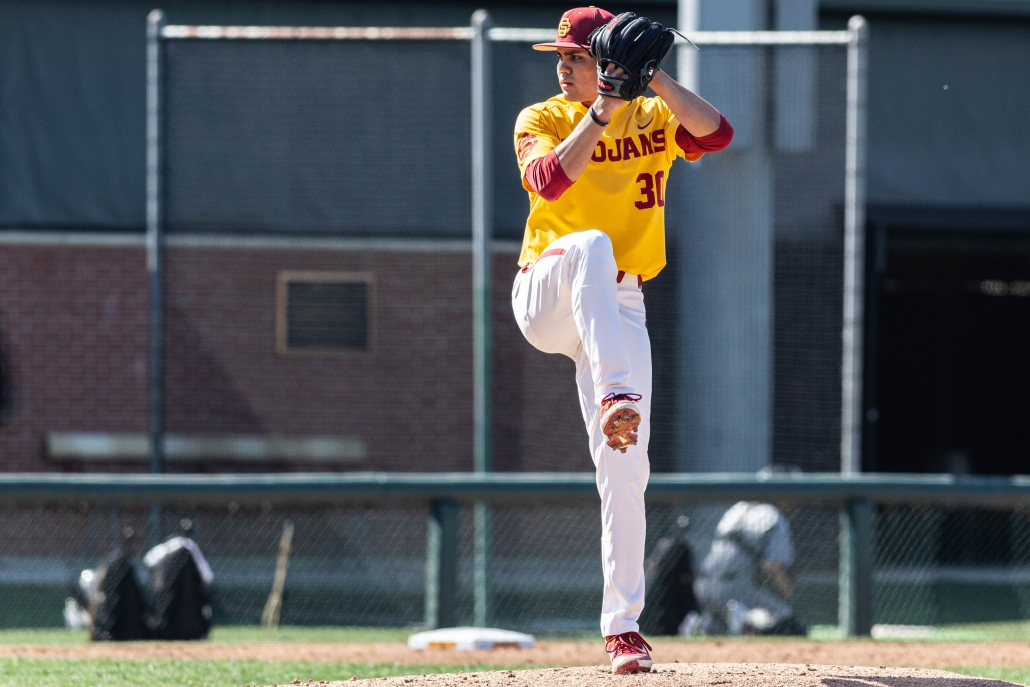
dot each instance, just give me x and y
(133, 448)
(520, 488)
(124, 239)
(1015, 8)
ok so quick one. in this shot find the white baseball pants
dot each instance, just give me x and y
(570, 302)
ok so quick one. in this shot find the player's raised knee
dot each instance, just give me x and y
(595, 240)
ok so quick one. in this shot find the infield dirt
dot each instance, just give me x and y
(693, 675)
(579, 653)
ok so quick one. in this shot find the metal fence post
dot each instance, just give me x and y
(856, 568)
(442, 540)
(482, 235)
(155, 240)
(483, 524)
(155, 256)
(855, 584)
(854, 250)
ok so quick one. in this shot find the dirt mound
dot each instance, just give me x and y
(692, 675)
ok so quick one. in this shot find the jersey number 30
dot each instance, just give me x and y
(652, 190)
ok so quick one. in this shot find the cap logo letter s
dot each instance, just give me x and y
(564, 26)
(527, 142)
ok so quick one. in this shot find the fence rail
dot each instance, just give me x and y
(464, 33)
(360, 487)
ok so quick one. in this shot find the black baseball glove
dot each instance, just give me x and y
(638, 45)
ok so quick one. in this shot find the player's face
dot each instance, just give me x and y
(577, 75)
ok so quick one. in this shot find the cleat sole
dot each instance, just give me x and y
(621, 429)
(631, 667)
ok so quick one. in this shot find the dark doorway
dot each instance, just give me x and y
(949, 374)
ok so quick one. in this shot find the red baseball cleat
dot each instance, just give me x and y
(628, 652)
(620, 418)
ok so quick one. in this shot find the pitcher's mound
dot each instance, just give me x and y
(693, 675)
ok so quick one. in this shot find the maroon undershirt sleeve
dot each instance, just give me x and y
(547, 178)
(713, 142)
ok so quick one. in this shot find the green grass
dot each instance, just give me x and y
(1007, 631)
(1014, 631)
(1017, 675)
(40, 672)
(233, 634)
(46, 636)
(229, 635)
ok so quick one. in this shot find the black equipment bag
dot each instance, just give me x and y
(117, 606)
(180, 607)
(669, 583)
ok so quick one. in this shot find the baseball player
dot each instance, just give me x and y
(595, 160)
(744, 585)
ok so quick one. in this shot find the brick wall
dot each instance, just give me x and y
(74, 333)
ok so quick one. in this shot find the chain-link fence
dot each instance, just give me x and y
(313, 309)
(366, 564)
(317, 251)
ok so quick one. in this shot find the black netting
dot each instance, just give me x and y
(317, 136)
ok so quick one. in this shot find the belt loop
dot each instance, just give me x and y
(618, 279)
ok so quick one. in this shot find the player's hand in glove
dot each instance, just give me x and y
(637, 45)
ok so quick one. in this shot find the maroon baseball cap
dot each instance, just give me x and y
(575, 28)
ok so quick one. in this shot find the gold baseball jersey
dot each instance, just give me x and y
(622, 190)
